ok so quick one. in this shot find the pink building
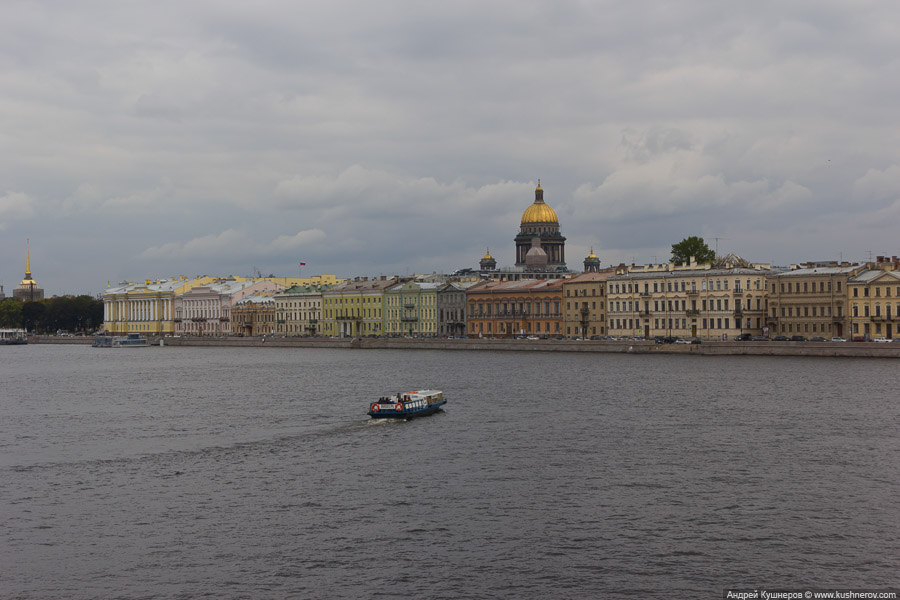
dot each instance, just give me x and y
(206, 310)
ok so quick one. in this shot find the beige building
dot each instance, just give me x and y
(689, 301)
(298, 311)
(810, 300)
(584, 304)
(254, 315)
(874, 300)
(206, 309)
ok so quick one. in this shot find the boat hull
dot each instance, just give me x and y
(388, 412)
(419, 403)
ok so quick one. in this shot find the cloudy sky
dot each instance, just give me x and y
(150, 139)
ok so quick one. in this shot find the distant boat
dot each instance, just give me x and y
(132, 340)
(406, 406)
(12, 337)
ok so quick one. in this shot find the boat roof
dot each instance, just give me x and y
(421, 393)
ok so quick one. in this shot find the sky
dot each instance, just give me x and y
(144, 140)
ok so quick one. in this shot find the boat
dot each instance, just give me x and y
(132, 340)
(406, 406)
(12, 337)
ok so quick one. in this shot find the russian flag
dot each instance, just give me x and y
(302, 264)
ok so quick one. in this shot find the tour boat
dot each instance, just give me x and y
(406, 406)
(132, 340)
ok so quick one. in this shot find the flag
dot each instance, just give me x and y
(302, 264)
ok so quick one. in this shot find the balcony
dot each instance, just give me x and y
(177, 320)
(644, 294)
(644, 314)
(348, 318)
(693, 293)
(692, 312)
(409, 319)
(739, 312)
(737, 291)
(409, 305)
(584, 311)
(224, 319)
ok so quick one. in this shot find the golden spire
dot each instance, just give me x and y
(592, 255)
(488, 254)
(28, 281)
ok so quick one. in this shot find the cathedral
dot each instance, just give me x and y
(538, 235)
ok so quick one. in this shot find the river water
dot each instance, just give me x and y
(255, 473)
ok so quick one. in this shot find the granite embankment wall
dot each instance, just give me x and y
(851, 349)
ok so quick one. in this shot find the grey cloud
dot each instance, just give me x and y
(166, 125)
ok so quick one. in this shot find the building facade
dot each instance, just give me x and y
(411, 309)
(512, 308)
(254, 315)
(299, 310)
(810, 301)
(874, 300)
(584, 308)
(690, 301)
(206, 309)
(147, 307)
(356, 308)
(451, 308)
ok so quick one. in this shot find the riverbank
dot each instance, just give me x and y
(846, 349)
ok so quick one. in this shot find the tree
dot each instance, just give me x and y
(692, 246)
(10, 313)
(32, 314)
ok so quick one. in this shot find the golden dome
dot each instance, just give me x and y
(539, 212)
(487, 255)
(592, 255)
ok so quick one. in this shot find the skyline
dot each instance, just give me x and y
(154, 140)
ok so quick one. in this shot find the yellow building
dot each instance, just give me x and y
(356, 308)
(315, 281)
(584, 304)
(411, 309)
(874, 297)
(146, 307)
(688, 301)
(810, 300)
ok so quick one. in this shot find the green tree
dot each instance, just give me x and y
(32, 315)
(10, 313)
(692, 246)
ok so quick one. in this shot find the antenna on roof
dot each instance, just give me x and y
(717, 244)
